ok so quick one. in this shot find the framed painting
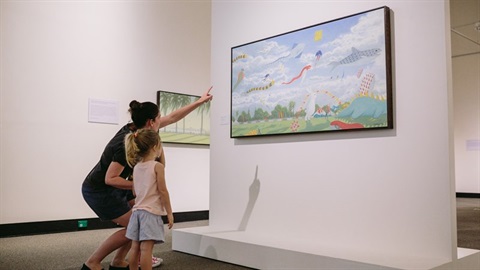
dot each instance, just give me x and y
(192, 129)
(332, 76)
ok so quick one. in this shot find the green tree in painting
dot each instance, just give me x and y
(327, 110)
(183, 101)
(202, 110)
(260, 114)
(291, 106)
(244, 117)
(175, 102)
(165, 104)
(170, 102)
(236, 115)
(279, 112)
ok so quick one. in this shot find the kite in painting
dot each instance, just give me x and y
(327, 77)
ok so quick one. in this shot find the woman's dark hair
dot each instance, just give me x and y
(141, 112)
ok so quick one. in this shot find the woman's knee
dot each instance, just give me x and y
(131, 202)
(124, 219)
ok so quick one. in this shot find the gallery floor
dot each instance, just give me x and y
(69, 250)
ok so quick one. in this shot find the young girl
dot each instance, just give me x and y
(145, 228)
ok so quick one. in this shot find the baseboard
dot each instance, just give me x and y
(467, 195)
(57, 226)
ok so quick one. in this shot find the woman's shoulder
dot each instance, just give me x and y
(119, 138)
(124, 130)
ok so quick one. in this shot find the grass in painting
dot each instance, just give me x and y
(184, 138)
(285, 126)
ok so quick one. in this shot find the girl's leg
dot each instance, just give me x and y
(146, 248)
(113, 242)
(155, 261)
(133, 256)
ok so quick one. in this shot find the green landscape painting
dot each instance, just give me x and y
(192, 129)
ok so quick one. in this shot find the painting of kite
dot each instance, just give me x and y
(193, 128)
(330, 77)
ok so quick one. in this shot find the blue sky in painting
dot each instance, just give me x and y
(278, 62)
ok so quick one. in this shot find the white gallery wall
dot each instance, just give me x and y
(384, 192)
(466, 98)
(466, 93)
(55, 55)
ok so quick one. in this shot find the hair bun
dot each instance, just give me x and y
(134, 105)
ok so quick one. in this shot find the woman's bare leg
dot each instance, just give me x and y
(121, 254)
(115, 241)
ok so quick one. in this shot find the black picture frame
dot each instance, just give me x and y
(330, 77)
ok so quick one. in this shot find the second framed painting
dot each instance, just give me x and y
(333, 76)
(192, 129)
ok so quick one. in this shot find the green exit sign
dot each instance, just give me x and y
(82, 223)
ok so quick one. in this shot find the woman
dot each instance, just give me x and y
(106, 189)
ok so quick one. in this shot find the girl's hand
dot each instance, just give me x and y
(170, 221)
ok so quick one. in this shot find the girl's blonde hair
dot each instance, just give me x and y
(139, 144)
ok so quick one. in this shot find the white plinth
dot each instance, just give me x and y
(264, 252)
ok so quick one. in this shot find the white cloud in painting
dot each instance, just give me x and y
(261, 68)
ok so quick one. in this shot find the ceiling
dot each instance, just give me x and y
(465, 27)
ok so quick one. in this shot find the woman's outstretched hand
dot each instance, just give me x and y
(206, 96)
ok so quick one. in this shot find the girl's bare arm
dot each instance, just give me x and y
(164, 195)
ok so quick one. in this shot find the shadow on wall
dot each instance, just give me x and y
(253, 192)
